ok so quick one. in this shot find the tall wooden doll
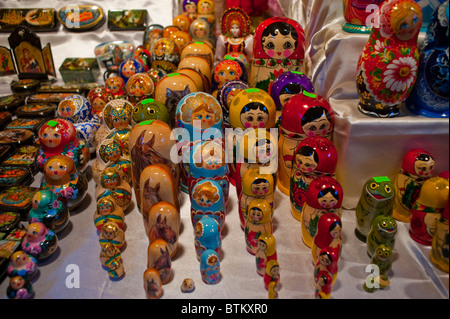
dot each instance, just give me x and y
(259, 221)
(329, 229)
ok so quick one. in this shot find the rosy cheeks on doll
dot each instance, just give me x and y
(51, 139)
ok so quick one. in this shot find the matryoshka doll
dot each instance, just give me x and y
(323, 285)
(59, 137)
(259, 221)
(48, 209)
(382, 258)
(98, 97)
(200, 30)
(19, 288)
(324, 195)
(158, 257)
(108, 211)
(377, 198)
(278, 46)
(111, 233)
(115, 85)
(210, 267)
(305, 115)
(23, 265)
(112, 184)
(226, 94)
(152, 284)
(150, 109)
(207, 235)
(129, 67)
(62, 177)
(165, 55)
(384, 81)
(207, 198)
(206, 10)
(315, 156)
(427, 209)
(200, 49)
(327, 261)
(358, 15)
(227, 70)
(236, 36)
(190, 8)
(39, 241)
(329, 230)
(152, 34)
(139, 87)
(266, 251)
(417, 167)
(439, 246)
(182, 21)
(163, 222)
(272, 273)
(111, 259)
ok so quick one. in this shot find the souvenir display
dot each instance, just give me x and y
(383, 231)
(129, 67)
(324, 195)
(48, 209)
(272, 273)
(18, 199)
(112, 234)
(98, 98)
(187, 285)
(304, 115)
(417, 167)
(111, 259)
(226, 94)
(19, 288)
(278, 46)
(210, 267)
(42, 19)
(314, 156)
(108, 211)
(159, 258)
(87, 17)
(382, 258)
(200, 49)
(25, 123)
(163, 223)
(358, 15)
(59, 137)
(63, 178)
(165, 55)
(227, 70)
(430, 95)
(16, 137)
(39, 241)
(115, 85)
(200, 30)
(236, 36)
(329, 230)
(377, 198)
(207, 236)
(34, 110)
(112, 184)
(427, 209)
(259, 221)
(15, 175)
(79, 70)
(126, 20)
(439, 247)
(23, 265)
(152, 284)
(266, 251)
(384, 81)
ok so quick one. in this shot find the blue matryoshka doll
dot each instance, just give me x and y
(207, 236)
(130, 67)
(210, 267)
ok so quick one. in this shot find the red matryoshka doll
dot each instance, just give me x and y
(152, 284)
(227, 70)
(158, 257)
(99, 97)
(427, 209)
(115, 85)
(259, 221)
(417, 167)
(327, 261)
(130, 67)
(314, 157)
(278, 46)
(384, 80)
(323, 285)
(236, 36)
(165, 55)
(266, 251)
(139, 87)
(329, 230)
(59, 137)
(359, 15)
(304, 115)
(272, 273)
(324, 195)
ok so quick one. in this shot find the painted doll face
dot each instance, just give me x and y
(205, 8)
(256, 214)
(66, 109)
(200, 32)
(113, 154)
(33, 232)
(109, 232)
(279, 46)
(235, 30)
(306, 164)
(406, 27)
(225, 74)
(324, 259)
(327, 201)
(260, 188)
(275, 271)
(56, 169)
(120, 121)
(204, 201)
(128, 69)
(211, 161)
(262, 245)
(190, 7)
(336, 231)
(110, 180)
(98, 105)
(424, 168)
(105, 207)
(114, 85)
(17, 282)
(254, 118)
(264, 152)
(207, 119)
(318, 127)
(51, 137)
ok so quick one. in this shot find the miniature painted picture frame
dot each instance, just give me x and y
(7, 66)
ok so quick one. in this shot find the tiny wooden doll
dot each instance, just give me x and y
(190, 8)
(111, 259)
(227, 70)
(111, 233)
(129, 67)
(324, 195)
(323, 285)
(49, 210)
(439, 247)
(327, 261)
(152, 283)
(315, 156)
(23, 265)
(108, 211)
(139, 87)
(207, 235)
(428, 208)
(377, 198)
(39, 241)
(384, 81)
(382, 258)
(329, 229)
(417, 167)
(259, 221)
(273, 290)
(115, 85)
(200, 30)
(62, 178)
(266, 251)
(206, 10)
(383, 231)
(98, 97)
(272, 273)
(210, 267)
(112, 184)
(19, 288)
(159, 258)
(165, 55)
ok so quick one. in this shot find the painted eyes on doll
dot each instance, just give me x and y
(200, 117)
(205, 201)
(270, 46)
(287, 45)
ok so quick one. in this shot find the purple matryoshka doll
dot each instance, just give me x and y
(359, 15)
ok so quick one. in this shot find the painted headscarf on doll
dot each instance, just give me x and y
(393, 14)
(325, 153)
(75, 108)
(235, 16)
(410, 159)
(327, 223)
(319, 187)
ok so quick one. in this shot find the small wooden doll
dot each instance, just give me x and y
(111, 233)
(165, 55)
(59, 137)
(98, 97)
(439, 246)
(163, 223)
(304, 115)
(417, 167)
(108, 211)
(210, 267)
(49, 210)
(159, 258)
(357, 15)
(39, 241)
(383, 231)
(115, 85)
(266, 251)
(428, 208)
(329, 229)
(62, 178)
(139, 87)
(272, 273)
(152, 283)
(227, 70)
(182, 21)
(324, 195)
(129, 67)
(207, 235)
(314, 156)
(23, 265)
(384, 81)
(19, 288)
(327, 261)
(226, 94)
(273, 290)
(112, 184)
(259, 221)
(382, 258)
(323, 285)
(206, 10)
(111, 259)
(190, 8)
(200, 30)
(377, 198)
(150, 109)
